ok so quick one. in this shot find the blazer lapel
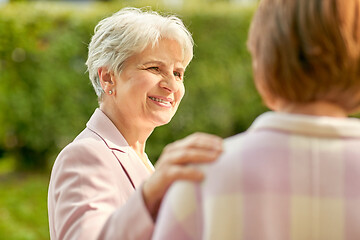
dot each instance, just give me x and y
(101, 125)
(133, 165)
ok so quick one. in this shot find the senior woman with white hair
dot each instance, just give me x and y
(102, 184)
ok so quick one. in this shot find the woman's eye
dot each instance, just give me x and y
(157, 69)
(177, 74)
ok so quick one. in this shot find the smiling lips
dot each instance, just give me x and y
(162, 102)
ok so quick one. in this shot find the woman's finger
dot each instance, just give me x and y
(177, 172)
(196, 148)
(196, 140)
(188, 156)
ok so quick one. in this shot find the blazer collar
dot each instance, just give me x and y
(308, 125)
(101, 125)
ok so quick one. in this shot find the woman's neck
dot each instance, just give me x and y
(319, 108)
(134, 132)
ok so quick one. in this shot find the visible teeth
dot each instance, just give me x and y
(159, 100)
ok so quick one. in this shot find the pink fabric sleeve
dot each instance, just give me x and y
(130, 221)
(91, 198)
(180, 216)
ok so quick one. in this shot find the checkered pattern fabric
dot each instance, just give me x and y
(289, 177)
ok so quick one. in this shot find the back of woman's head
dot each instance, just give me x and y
(130, 31)
(307, 50)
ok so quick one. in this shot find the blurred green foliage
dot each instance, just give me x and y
(46, 97)
(23, 214)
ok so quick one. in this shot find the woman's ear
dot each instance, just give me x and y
(272, 102)
(107, 80)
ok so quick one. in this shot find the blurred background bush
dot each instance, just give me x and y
(46, 97)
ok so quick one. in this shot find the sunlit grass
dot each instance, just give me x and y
(23, 207)
(7, 165)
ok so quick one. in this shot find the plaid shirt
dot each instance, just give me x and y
(288, 177)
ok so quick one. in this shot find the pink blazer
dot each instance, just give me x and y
(95, 187)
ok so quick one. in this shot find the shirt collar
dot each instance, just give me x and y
(308, 125)
(100, 124)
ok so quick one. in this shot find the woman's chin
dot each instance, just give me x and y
(160, 121)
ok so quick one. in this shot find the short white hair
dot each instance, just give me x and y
(130, 31)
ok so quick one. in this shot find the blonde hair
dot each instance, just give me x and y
(307, 50)
(130, 31)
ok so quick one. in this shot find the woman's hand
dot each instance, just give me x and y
(173, 165)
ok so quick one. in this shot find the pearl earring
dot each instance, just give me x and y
(110, 92)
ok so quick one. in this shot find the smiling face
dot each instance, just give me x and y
(150, 86)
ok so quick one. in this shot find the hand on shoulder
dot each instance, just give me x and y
(173, 165)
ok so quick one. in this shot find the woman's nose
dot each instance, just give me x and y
(170, 83)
